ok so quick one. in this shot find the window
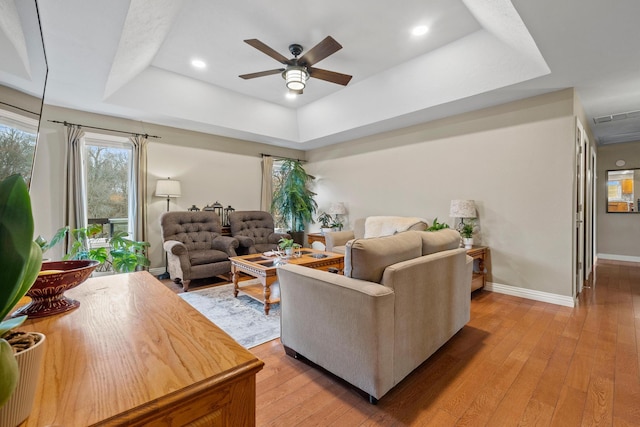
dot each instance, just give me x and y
(108, 171)
(280, 222)
(17, 144)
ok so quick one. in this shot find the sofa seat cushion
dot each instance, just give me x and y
(441, 240)
(366, 259)
(207, 256)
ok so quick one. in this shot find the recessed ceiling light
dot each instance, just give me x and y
(420, 30)
(198, 63)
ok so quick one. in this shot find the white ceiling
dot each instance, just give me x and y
(131, 58)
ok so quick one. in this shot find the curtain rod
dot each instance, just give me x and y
(110, 130)
(21, 109)
(282, 158)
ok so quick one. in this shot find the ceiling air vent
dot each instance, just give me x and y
(616, 117)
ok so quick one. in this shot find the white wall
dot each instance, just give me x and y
(515, 161)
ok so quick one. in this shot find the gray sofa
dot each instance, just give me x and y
(195, 247)
(400, 299)
(336, 241)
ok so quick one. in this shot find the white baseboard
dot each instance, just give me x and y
(531, 294)
(615, 257)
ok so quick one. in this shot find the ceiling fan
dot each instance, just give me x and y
(298, 70)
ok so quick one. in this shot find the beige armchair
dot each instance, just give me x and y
(335, 241)
(195, 247)
(254, 231)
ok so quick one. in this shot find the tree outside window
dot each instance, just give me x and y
(17, 144)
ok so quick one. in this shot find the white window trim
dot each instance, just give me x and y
(18, 121)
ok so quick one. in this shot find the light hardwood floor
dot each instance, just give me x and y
(517, 362)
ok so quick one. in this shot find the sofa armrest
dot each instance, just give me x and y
(432, 293)
(337, 238)
(225, 244)
(344, 325)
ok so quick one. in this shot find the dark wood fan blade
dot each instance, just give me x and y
(329, 76)
(267, 51)
(261, 73)
(320, 51)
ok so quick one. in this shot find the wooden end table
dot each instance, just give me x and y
(265, 268)
(479, 277)
(316, 237)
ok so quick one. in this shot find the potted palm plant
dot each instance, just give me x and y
(20, 262)
(293, 199)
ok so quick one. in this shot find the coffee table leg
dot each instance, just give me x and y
(267, 297)
(234, 278)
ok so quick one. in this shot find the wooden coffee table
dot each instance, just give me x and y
(264, 269)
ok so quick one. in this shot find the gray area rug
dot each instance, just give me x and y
(243, 318)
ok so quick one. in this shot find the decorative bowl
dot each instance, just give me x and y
(56, 277)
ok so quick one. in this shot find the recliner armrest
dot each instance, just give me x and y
(337, 238)
(226, 244)
(175, 247)
(244, 241)
(275, 237)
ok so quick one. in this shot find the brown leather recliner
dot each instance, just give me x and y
(254, 231)
(195, 246)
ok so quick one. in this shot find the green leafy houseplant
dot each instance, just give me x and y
(292, 197)
(285, 243)
(336, 223)
(437, 225)
(124, 255)
(20, 262)
(325, 220)
(467, 230)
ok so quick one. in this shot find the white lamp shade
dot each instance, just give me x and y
(337, 209)
(168, 188)
(462, 209)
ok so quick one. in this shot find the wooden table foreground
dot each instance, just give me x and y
(135, 353)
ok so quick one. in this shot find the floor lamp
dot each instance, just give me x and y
(167, 188)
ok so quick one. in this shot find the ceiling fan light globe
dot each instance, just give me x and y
(296, 78)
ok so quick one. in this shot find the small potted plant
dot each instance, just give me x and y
(336, 224)
(288, 246)
(466, 231)
(326, 222)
